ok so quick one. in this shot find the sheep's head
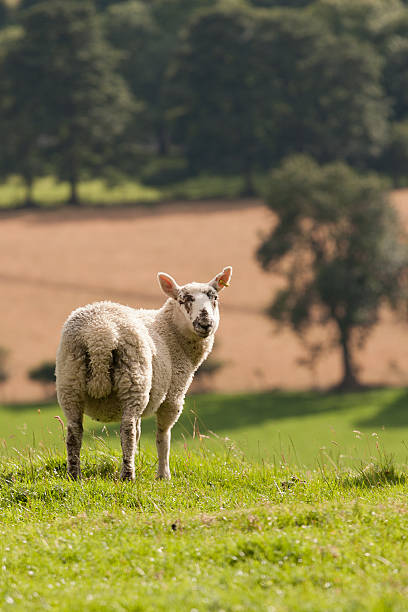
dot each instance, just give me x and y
(197, 303)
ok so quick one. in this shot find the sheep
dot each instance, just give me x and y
(116, 363)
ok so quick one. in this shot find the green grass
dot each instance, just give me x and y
(242, 525)
(48, 192)
(295, 428)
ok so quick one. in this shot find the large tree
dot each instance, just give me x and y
(339, 245)
(216, 99)
(255, 86)
(147, 34)
(20, 114)
(84, 103)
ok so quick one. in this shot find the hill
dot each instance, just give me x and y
(53, 261)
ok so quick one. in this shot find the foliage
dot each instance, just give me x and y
(395, 51)
(366, 20)
(164, 171)
(20, 113)
(316, 108)
(232, 86)
(394, 159)
(78, 91)
(215, 96)
(3, 14)
(339, 245)
(146, 33)
(274, 84)
(44, 373)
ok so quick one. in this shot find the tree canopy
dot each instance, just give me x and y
(76, 91)
(228, 86)
(340, 247)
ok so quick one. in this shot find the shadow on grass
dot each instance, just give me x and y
(45, 404)
(393, 413)
(220, 413)
(225, 413)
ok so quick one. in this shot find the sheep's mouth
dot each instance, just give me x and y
(203, 330)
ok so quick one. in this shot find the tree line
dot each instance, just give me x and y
(222, 86)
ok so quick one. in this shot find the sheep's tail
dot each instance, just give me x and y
(99, 343)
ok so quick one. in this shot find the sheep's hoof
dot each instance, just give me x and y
(74, 474)
(164, 476)
(126, 475)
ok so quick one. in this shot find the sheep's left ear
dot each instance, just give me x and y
(168, 285)
(222, 279)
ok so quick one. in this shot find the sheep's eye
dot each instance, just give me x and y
(186, 299)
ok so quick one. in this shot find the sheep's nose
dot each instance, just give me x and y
(206, 326)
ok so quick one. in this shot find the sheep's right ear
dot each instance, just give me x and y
(222, 279)
(168, 285)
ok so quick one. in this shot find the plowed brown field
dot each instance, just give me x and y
(54, 261)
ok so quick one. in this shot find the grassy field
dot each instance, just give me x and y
(266, 519)
(301, 429)
(48, 192)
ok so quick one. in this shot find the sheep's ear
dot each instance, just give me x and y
(222, 279)
(168, 284)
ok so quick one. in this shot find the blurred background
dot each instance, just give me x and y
(187, 135)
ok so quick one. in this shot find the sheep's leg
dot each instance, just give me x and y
(138, 432)
(74, 441)
(128, 438)
(166, 417)
(130, 431)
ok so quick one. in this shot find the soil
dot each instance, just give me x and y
(53, 261)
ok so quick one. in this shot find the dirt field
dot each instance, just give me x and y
(52, 262)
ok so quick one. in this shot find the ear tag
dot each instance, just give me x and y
(223, 283)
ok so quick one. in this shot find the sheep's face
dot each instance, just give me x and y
(197, 302)
(199, 305)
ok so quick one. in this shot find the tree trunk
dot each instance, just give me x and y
(248, 190)
(162, 140)
(349, 380)
(73, 199)
(29, 182)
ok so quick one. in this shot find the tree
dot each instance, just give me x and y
(215, 93)
(309, 76)
(147, 34)
(3, 14)
(365, 20)
(395, 51)
(281, 3)
(45, 375)
(254, 87)
(340, 248)
(20, 114)
(84, 104)
(394, 160)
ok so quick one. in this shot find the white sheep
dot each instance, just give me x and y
(116, 363)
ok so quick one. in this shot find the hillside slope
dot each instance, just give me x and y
(54, 261)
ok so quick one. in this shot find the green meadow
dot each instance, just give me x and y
(299, 429)
(48, 192)
(278, 502)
